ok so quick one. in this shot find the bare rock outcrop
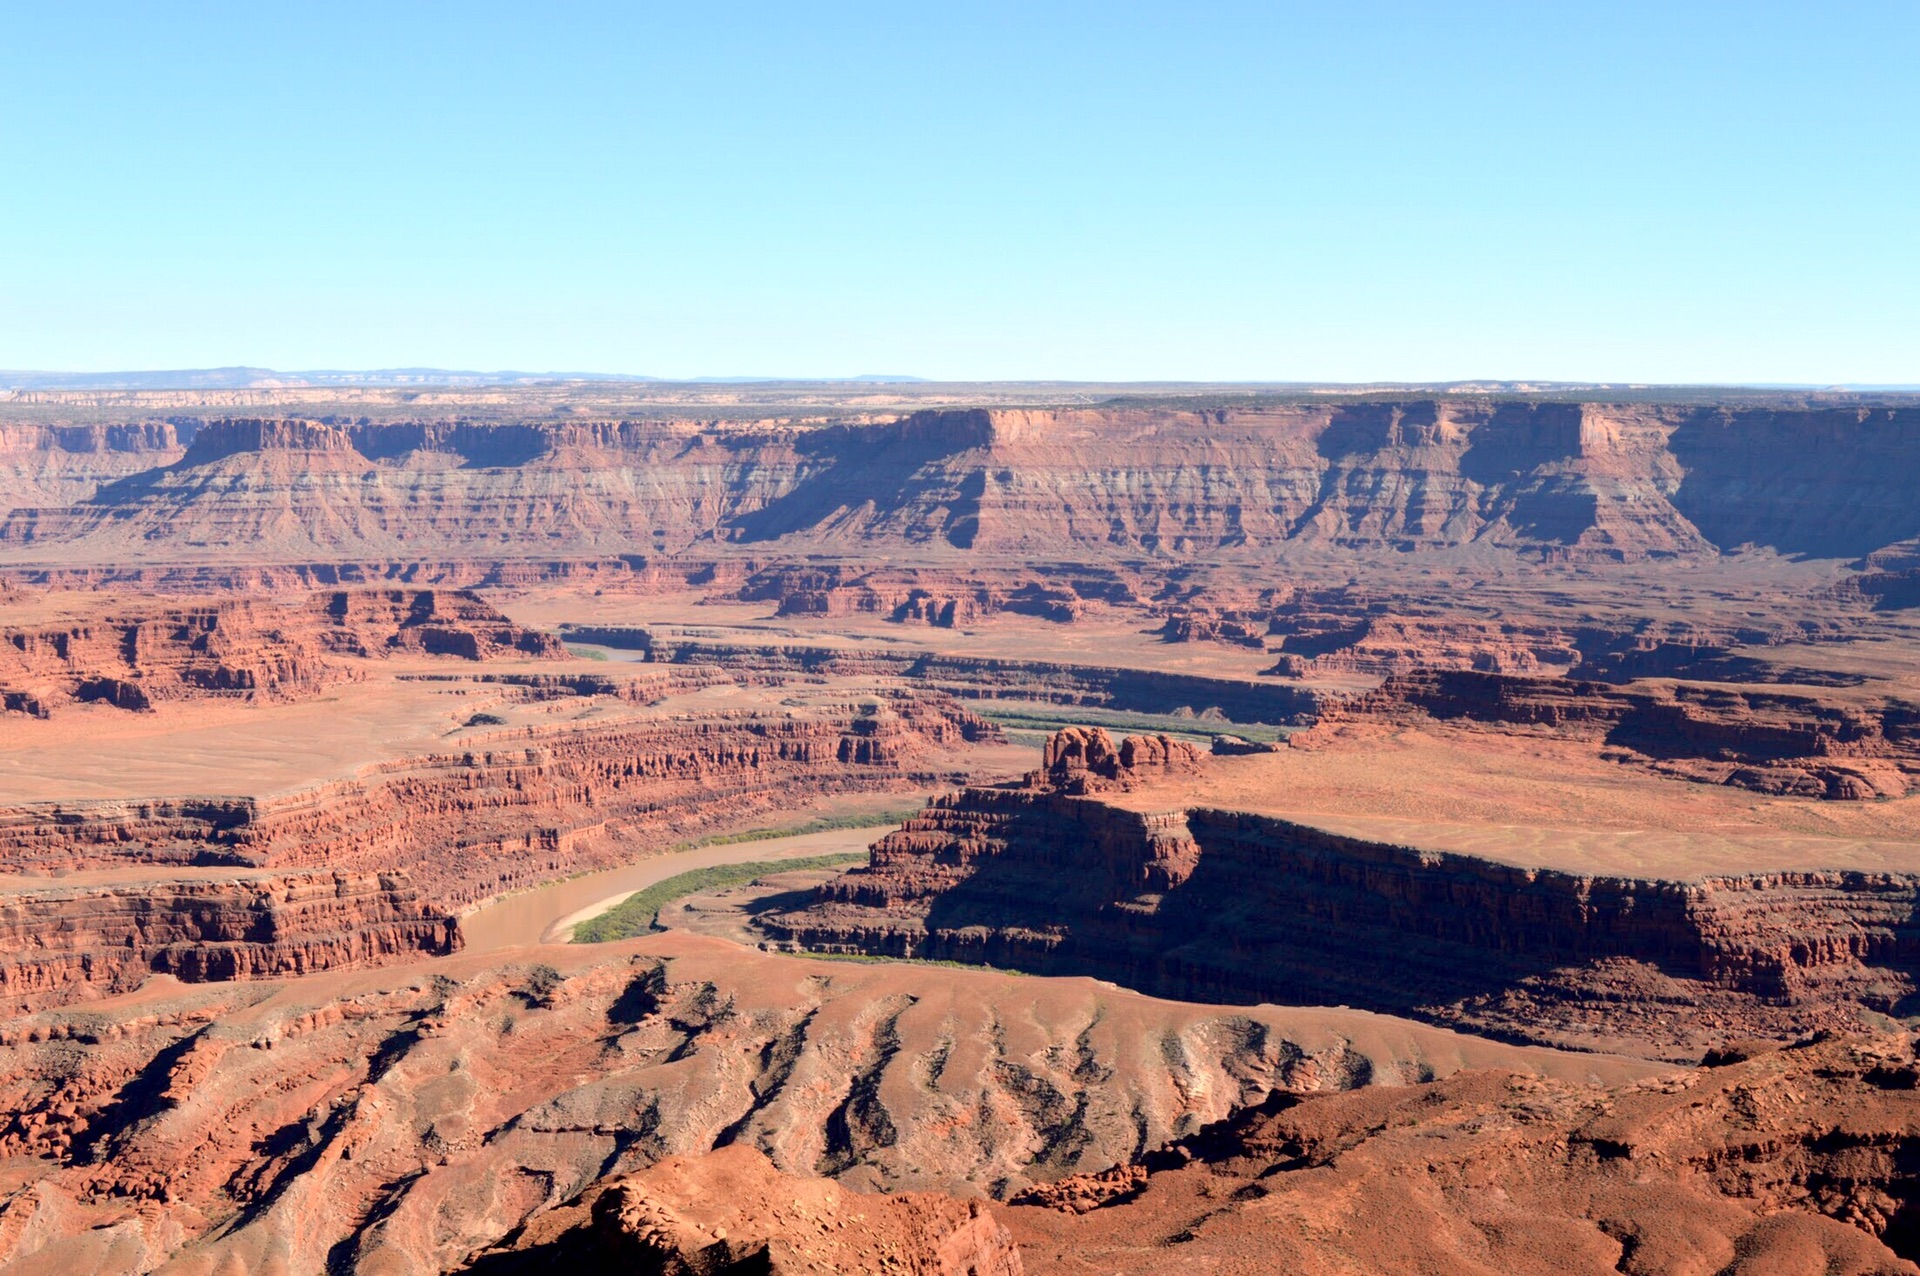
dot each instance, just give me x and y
(443, 622)
(1769, 741)
(944, 599)
(522, 808)
(135, 656)
(1801, 1160)
(981, 677)
(417, 1119)
(1086, 760)
(731, 1211)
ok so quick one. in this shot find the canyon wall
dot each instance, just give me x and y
(521, 808)
(131, 653)
(975, 677)
(59, 940)
(1555, 480)
(1055, 877)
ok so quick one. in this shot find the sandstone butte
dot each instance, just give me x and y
(1407, 834)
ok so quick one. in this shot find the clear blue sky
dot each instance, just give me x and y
(1666, 192)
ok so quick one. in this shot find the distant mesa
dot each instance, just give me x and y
(1547, 481)
(229, 438)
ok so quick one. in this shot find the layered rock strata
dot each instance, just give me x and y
(520, 807)
(1081, 760)
(135, 653)
(1566, 481)
(60, 940)
(977, 677)
(1223, 905)
(636, 574)
(941, 599)
(1407, 627)
(444, 622)
(731, 1211)
(130, 661)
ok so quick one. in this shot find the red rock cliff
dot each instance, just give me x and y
(1549, 480)
(59, 941)
(1224, 905)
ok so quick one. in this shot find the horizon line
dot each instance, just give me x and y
(254, 377)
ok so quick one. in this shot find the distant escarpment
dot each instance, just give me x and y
(524, 807)
(132, 654)
(60, 940)
(1411, 627)
(1563, 481)
(1612, 625)
(1056, 876)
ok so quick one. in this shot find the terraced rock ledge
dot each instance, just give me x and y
(1080, 870)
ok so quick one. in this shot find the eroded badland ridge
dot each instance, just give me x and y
(1448, 832)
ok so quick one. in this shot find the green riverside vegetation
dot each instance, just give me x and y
(1048, 718)
(823, 824)
(636, 915)
(639, 913)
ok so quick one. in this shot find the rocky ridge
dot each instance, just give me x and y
(519, 808)
(731, 1211)
(1768, 741)
(1796, 1160)
(396, 1120)
(974, 677)
(371, 868)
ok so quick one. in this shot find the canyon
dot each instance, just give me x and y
(1084, 867)
(213, 886)
(1428, 831)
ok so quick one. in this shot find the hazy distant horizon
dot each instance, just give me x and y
(242, 376)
